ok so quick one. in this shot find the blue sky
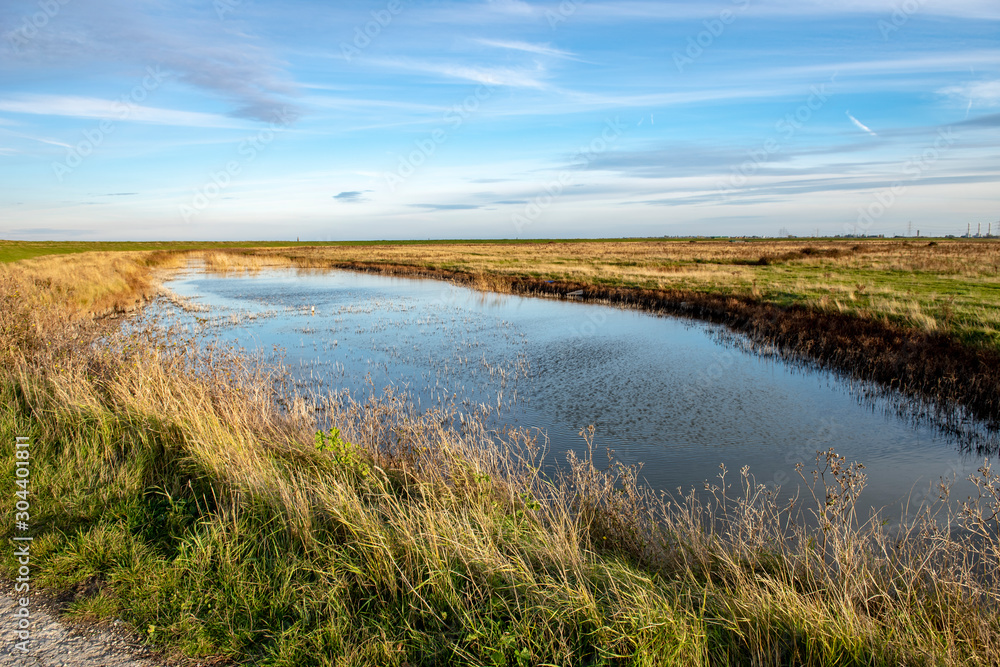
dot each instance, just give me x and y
(240, 119)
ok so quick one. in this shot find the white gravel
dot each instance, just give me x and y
(55, 643)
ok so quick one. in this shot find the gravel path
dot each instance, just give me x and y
(55, 643)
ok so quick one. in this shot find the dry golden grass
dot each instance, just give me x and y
(48, 297)
(226, 262)
(89, 283)
(645, 258)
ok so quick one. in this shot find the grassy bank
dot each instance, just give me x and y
(12, 251)
(192, 506)
(919, 317)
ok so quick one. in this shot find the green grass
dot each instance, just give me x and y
(12, 251)
(130, 510)
(124, 501)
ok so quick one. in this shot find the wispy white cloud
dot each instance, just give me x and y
(985, 9)
(41, 140)
(491, 76)
(860, 124)
(938, 62)
(355, 103)
(50, 232)
(985, 93)
(528, 47)
(450, 15)
(513, 7)
(680, 9)
(582, 100)
(324, 86)
(92, 107)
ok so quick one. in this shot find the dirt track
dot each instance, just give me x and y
(55, 643)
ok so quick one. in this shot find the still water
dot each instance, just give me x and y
(677, 396)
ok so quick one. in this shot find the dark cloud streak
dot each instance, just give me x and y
(350, 196)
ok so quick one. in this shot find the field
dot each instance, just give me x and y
(11, 251)
(171, 489)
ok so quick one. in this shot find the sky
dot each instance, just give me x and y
(413, 119)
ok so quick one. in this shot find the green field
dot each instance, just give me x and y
(12, 251)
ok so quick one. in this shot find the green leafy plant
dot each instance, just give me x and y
(344, 453)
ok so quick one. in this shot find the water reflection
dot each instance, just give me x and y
(679, 397)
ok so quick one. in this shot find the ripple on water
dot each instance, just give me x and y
(671, 394)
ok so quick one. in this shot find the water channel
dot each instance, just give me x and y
(681, 397)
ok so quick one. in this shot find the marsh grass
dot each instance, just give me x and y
(172, 490)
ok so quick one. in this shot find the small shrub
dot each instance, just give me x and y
(344, 453)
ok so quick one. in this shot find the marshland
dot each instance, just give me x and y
(271, 456)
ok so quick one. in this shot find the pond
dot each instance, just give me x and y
(678, 396)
